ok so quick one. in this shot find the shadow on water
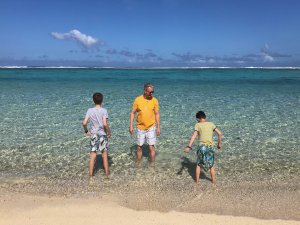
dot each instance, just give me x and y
(99, 163)
(186, 163)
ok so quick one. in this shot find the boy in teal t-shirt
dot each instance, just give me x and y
(205, 153)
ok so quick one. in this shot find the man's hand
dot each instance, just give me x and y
(158, 131)
(131, 130)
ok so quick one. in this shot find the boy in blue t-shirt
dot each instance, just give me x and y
(205, 153)
(99, 132)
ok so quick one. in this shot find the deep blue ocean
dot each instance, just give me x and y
(42, 140)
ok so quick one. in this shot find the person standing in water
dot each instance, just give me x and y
(99, 133)
(147, 121)
(205, 153)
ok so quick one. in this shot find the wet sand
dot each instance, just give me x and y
(261, 200)
(21, 209)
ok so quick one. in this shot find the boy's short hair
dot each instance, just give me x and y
(200, 115)
(98, 98)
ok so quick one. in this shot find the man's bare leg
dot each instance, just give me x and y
(152, 153)
(139, 153)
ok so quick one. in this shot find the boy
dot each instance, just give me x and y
(99, 133)
(205, 153)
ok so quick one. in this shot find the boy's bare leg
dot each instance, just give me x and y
(197, 174)
(152, 153)
(93, 156)
(213, 175)
(139, 153)
(105, 162)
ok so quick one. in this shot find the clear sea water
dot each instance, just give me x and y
(43, 148)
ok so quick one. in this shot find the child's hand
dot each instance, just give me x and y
(187, 149)
(88, 134)
(219, 146)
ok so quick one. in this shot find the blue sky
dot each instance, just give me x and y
(140, 33)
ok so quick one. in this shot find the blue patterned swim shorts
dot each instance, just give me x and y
(206, 155)
(99, 143)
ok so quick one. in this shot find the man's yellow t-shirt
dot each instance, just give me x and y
(145, 112)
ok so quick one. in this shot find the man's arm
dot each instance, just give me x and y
(157, 120)
(132, 114)
(189, 147)
(218, 132)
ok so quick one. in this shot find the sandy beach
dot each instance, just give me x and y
(22, 209)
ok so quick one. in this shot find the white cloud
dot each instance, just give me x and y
(267, 58)
(266, 54)
(84, 40)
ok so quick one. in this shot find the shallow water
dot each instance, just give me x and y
(43, 149)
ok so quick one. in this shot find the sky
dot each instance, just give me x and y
(150, 33)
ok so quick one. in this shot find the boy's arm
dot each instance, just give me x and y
(106, 127)
(218, 132)
(84, 125)
(189, 147)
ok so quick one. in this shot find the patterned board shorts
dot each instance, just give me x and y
(99, 143)
(148, 135)
(206, 155)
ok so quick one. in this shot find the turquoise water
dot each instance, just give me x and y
(42, 140)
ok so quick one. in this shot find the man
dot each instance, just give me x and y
(148, 121)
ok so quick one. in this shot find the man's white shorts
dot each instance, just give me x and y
(148, 135)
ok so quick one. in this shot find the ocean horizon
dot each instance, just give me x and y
(164, 67)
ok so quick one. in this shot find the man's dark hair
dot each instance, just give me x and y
(200, 115)
(98, 98)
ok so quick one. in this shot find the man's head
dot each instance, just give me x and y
(200, 115)
(148, 90)
(98, 98)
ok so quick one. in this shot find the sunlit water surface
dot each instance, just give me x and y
(43, 148)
